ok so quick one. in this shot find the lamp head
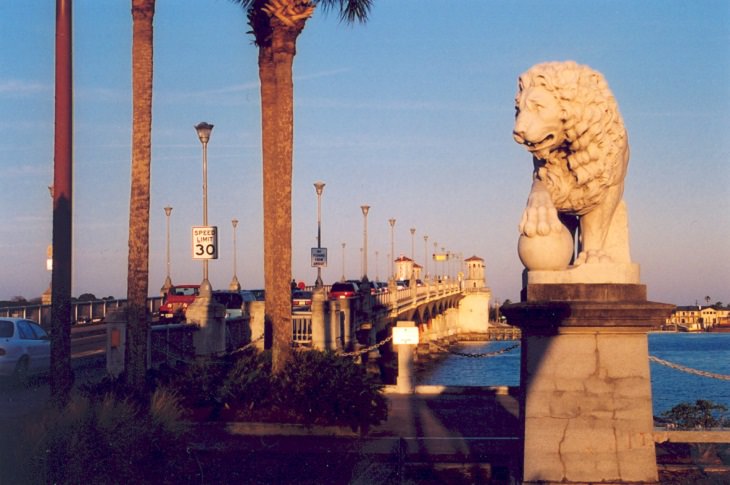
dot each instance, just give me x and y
(204, 130)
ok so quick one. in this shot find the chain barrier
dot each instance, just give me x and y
(248, 345)
(480, 355)
(357, 353)
(689, 370)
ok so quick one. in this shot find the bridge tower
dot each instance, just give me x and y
(475, 277)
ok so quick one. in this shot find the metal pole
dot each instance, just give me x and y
(413, 252)
(391, 221)
(319, 187)
(365, 209)
(425, 256)
(204, 129)
(343, 261)
(168, 211)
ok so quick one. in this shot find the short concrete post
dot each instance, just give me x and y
(210, 318)
(319, 322)
(116, 341)
(257, 322)
(405, 337)
(337, 334)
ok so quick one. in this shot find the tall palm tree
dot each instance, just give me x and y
(143, 12)
(276, 25)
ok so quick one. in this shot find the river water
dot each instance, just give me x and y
(709, 352)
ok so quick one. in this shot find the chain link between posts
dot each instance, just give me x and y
(365, 350)
(479, 355)
(689, 370)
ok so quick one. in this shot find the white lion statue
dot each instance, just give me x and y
(568, 119)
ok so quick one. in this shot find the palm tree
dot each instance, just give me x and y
(143, 12)
(276, 25)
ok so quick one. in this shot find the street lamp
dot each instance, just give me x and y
(391, 221)
(365, 210)
(425, 256)
(168, 281)
(204, 130)
(413, 252)
(343, 261)
(319, 187)
(235, 285)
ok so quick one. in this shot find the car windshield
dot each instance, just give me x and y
(6, 329)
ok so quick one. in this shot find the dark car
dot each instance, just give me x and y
(301, 300)
(343, 289)
(232, 300)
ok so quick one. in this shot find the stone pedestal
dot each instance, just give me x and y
(210, 318)
(320, 329)
(257, 321)
(116, 341)
(586, 406)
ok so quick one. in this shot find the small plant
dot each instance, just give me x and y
(701, 414)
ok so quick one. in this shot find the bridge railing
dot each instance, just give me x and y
(81, 311)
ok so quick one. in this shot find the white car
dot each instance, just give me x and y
(25, 348)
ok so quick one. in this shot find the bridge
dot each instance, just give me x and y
(441, 310)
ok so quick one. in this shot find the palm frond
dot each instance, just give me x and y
(350, 10)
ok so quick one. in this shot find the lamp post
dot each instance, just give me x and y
(377, 258)
(413, 252)
(391, 221)
(425, 256)
(235, 285)
(343, 261)
(435, 263)
(365, 210)
(204, 129)
(168, 281)
(319, 187)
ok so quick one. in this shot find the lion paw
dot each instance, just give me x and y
(540, 216)
(592, 256)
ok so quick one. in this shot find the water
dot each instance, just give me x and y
(708, 352)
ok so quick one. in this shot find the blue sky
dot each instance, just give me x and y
(411, 114)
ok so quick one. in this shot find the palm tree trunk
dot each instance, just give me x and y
(139, 206)
(275, 71)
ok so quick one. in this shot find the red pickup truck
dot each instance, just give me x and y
(176, 301)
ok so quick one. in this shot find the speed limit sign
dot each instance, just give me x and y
(205, 242)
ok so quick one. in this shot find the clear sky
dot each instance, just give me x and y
(411, 114)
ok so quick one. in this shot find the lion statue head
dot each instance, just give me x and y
(567, 118)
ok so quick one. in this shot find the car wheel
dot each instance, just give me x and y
(21, 371)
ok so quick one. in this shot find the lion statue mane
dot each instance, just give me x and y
(568, 119)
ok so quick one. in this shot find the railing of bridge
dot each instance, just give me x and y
(81, 311)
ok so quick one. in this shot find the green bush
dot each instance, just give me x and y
(314, 388)
(323, 388)
(701, 414)
(105, 440)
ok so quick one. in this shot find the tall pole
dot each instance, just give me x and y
(204, 129)
(365, 210)
(168, 281)
(319, 187)
(377, 274)
(413, 252)
(435, 263)
(235, 285)
(391, 221)
(425, 256)
(343, 261)
(61, 376)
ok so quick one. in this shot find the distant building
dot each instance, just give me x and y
(696, 318)
(475, 273)
(404, 268)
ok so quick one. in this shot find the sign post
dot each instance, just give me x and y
(405, 336)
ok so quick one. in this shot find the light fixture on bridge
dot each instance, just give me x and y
(365, 210)
(391, 221)
(204, 129)
(319, 188)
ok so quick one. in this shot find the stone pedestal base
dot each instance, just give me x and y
(586, 404)
(210, 318)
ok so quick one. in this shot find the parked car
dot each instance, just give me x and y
(343, 289)
(25, 348)
(301, 300)
(232, 300)
(176, 301)
(260, 295)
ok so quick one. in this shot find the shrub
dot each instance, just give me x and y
(701, 414)
(323, 388)
(104, 440)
